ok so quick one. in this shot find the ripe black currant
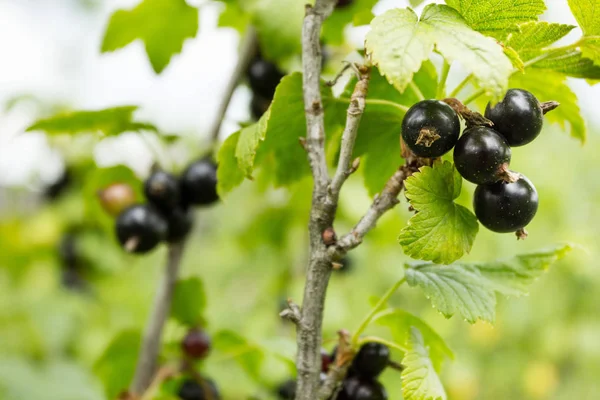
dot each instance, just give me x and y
(67, 250)
(162, 190)
(518, 117)
(263, 77)
(258, 106)
(371, 360)
(355, 388)
(199, 183)
(180, 223)
(196, 344)
(116, 197)
(193, 390)
(482, 156)
(287, 390)
(430, 128)
(343, 3)
(506, 207)
(140, 228)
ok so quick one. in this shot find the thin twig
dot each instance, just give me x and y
(346, 67)
(354, 115)
(150, 347)
(383, 202)
(248, 50)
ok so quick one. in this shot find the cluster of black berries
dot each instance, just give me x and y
(167, 215)
(196, 346)
(504, 201)
(360, 382)
(263, 78)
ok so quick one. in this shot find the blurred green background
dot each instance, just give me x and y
(250, 252)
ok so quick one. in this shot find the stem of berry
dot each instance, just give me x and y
(472, 118)
(150, 347)
(521, 234)
(507, 175)
(548, 106)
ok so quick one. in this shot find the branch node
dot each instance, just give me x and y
(329, 236)
(302, 141)
(292, 313)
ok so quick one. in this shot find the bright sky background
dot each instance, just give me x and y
(50, 49)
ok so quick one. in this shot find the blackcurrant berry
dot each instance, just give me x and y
(162, 190)
(343, 3)
(506, 207)
(430, 128)
(258, 106)
(67, 251)
(196, 344)
(370, 390)
(287, 390)
(326, 360)
(199, 183)
(116, 197)
(180, 223)
(263, 76)
(193, 390)
(371, 360)
(58, 187)
(518, 117)
(140, 228)
(481, 155)
(348, 388)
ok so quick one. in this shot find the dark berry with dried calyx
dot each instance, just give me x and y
(506, 207)
(518, 117)
(482, 156)
(196, 344)
(199, 183)
(287, 390)
(430, 128)
(371, 360)
(162, 190)
(140, 228)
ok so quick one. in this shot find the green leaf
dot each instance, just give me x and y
(399, 42)
(441, 231)
(587, 14)
(333, 28)
(532, 37)
(248, 142)
(189, 302)
(553, 86)
(233, 16)
(108, 122)
(248, 355)
(400, 323)
(116, 365)
(419, 379)
(497, 18)
(163, 26)
(590, 48)
(471, 288)
(229, 175)
(279, 25)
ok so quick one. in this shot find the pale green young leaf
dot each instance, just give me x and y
(333, 27)
(587, 14)
(189, 302)
(497, 18)
(590, 48)
(400, 322)
(470, 289)
(399, 42)
(229, 175)
(248, 142)
(514, 58)
(552, 86)
(116, 365)
(163, 26)
(441, 231)
(233, 16)
(419, 379)
(248, 355)
(108, 122)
